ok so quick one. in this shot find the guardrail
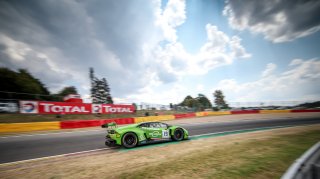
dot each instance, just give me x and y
(307, 166)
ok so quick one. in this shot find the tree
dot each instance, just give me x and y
(135, 107)
(188, 101)
(219, 99)
(199, 103)
(107, 91)
(204, 102)
(64, 92)
(21, 85)
(68, 90)
(100, 90)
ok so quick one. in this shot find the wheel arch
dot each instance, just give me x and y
(138, 133)
(173, 128)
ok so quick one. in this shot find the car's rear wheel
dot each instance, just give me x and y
(129, 140)
(178, 134)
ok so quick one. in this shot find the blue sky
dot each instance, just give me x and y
(161, 51)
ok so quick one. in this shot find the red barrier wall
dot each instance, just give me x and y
(246, 112)
(98, 122)
(306, 110)
(79, 124)
(179, 116)
(93, 123)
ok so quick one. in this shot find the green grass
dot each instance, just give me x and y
(260, 158)
(18, 118)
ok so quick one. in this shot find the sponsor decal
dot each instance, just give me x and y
(29, 107)
(142, 137)
(155, 134)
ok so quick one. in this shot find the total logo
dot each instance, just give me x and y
(29, 107)
(96, 108)
(155, 134)
(105, 109)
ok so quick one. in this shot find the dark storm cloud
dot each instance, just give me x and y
(65, 38)
(278, 20)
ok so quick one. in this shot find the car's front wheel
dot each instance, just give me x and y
(129, 140)
(178, 134)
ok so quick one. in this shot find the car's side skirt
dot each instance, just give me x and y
(154, 141)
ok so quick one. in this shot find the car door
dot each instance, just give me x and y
(153, 131)
(164, 130)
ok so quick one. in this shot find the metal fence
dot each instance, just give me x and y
(261, 104)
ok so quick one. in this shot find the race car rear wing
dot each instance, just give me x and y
(110, 125)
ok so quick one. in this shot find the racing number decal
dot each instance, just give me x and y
(165, 134)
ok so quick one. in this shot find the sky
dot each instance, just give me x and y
(161, 51)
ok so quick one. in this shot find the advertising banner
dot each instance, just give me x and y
(112, 109)
(63, 108)
(45, 107)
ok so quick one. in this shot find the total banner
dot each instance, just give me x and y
(112, 109)
(45, 107)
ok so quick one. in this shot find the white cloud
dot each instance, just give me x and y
(15, 50)
(296, 62)
(45, 38)
(173, 15)
(219, 50)
(237, 50)
(300, 82)
(174, 94)
(200, 87)
(269, 70)
(277, 20)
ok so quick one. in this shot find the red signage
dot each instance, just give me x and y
(63, 108)
(112, 108)
(45, 107)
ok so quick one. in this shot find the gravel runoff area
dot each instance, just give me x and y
(263, 154)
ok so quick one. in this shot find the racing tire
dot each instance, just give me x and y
(129, 140)
(178, 134)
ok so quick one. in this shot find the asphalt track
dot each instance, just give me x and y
(24, 147)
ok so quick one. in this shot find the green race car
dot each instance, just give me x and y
(148, 132)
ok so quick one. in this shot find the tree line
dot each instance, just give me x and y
(21, 84)
(201, 102)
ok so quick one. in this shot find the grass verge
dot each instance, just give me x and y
(267, 158)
